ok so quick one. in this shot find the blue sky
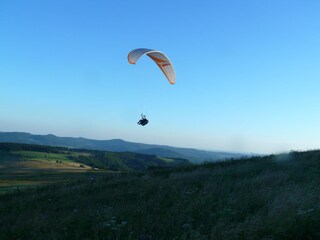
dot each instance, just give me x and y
(247, 72)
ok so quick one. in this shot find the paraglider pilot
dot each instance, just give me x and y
(143, 121)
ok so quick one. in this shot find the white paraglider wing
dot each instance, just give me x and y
(158, 57)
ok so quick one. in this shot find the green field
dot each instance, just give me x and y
(25, 166)
(24, 169)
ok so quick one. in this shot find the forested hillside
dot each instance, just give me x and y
(103, 160)
(25, 165)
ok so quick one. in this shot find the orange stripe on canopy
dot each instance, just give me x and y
(158, 57)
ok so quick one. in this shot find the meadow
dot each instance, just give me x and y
(270, 197)
(25, 169)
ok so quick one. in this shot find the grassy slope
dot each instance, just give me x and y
(275, 197)
(28, 168)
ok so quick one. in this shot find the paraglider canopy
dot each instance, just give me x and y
(158, 57)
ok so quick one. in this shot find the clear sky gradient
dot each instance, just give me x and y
(248, 72)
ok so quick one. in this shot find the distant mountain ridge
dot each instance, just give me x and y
(118, 145)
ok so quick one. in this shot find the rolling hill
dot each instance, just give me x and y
(118, 145)
(95, 159)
